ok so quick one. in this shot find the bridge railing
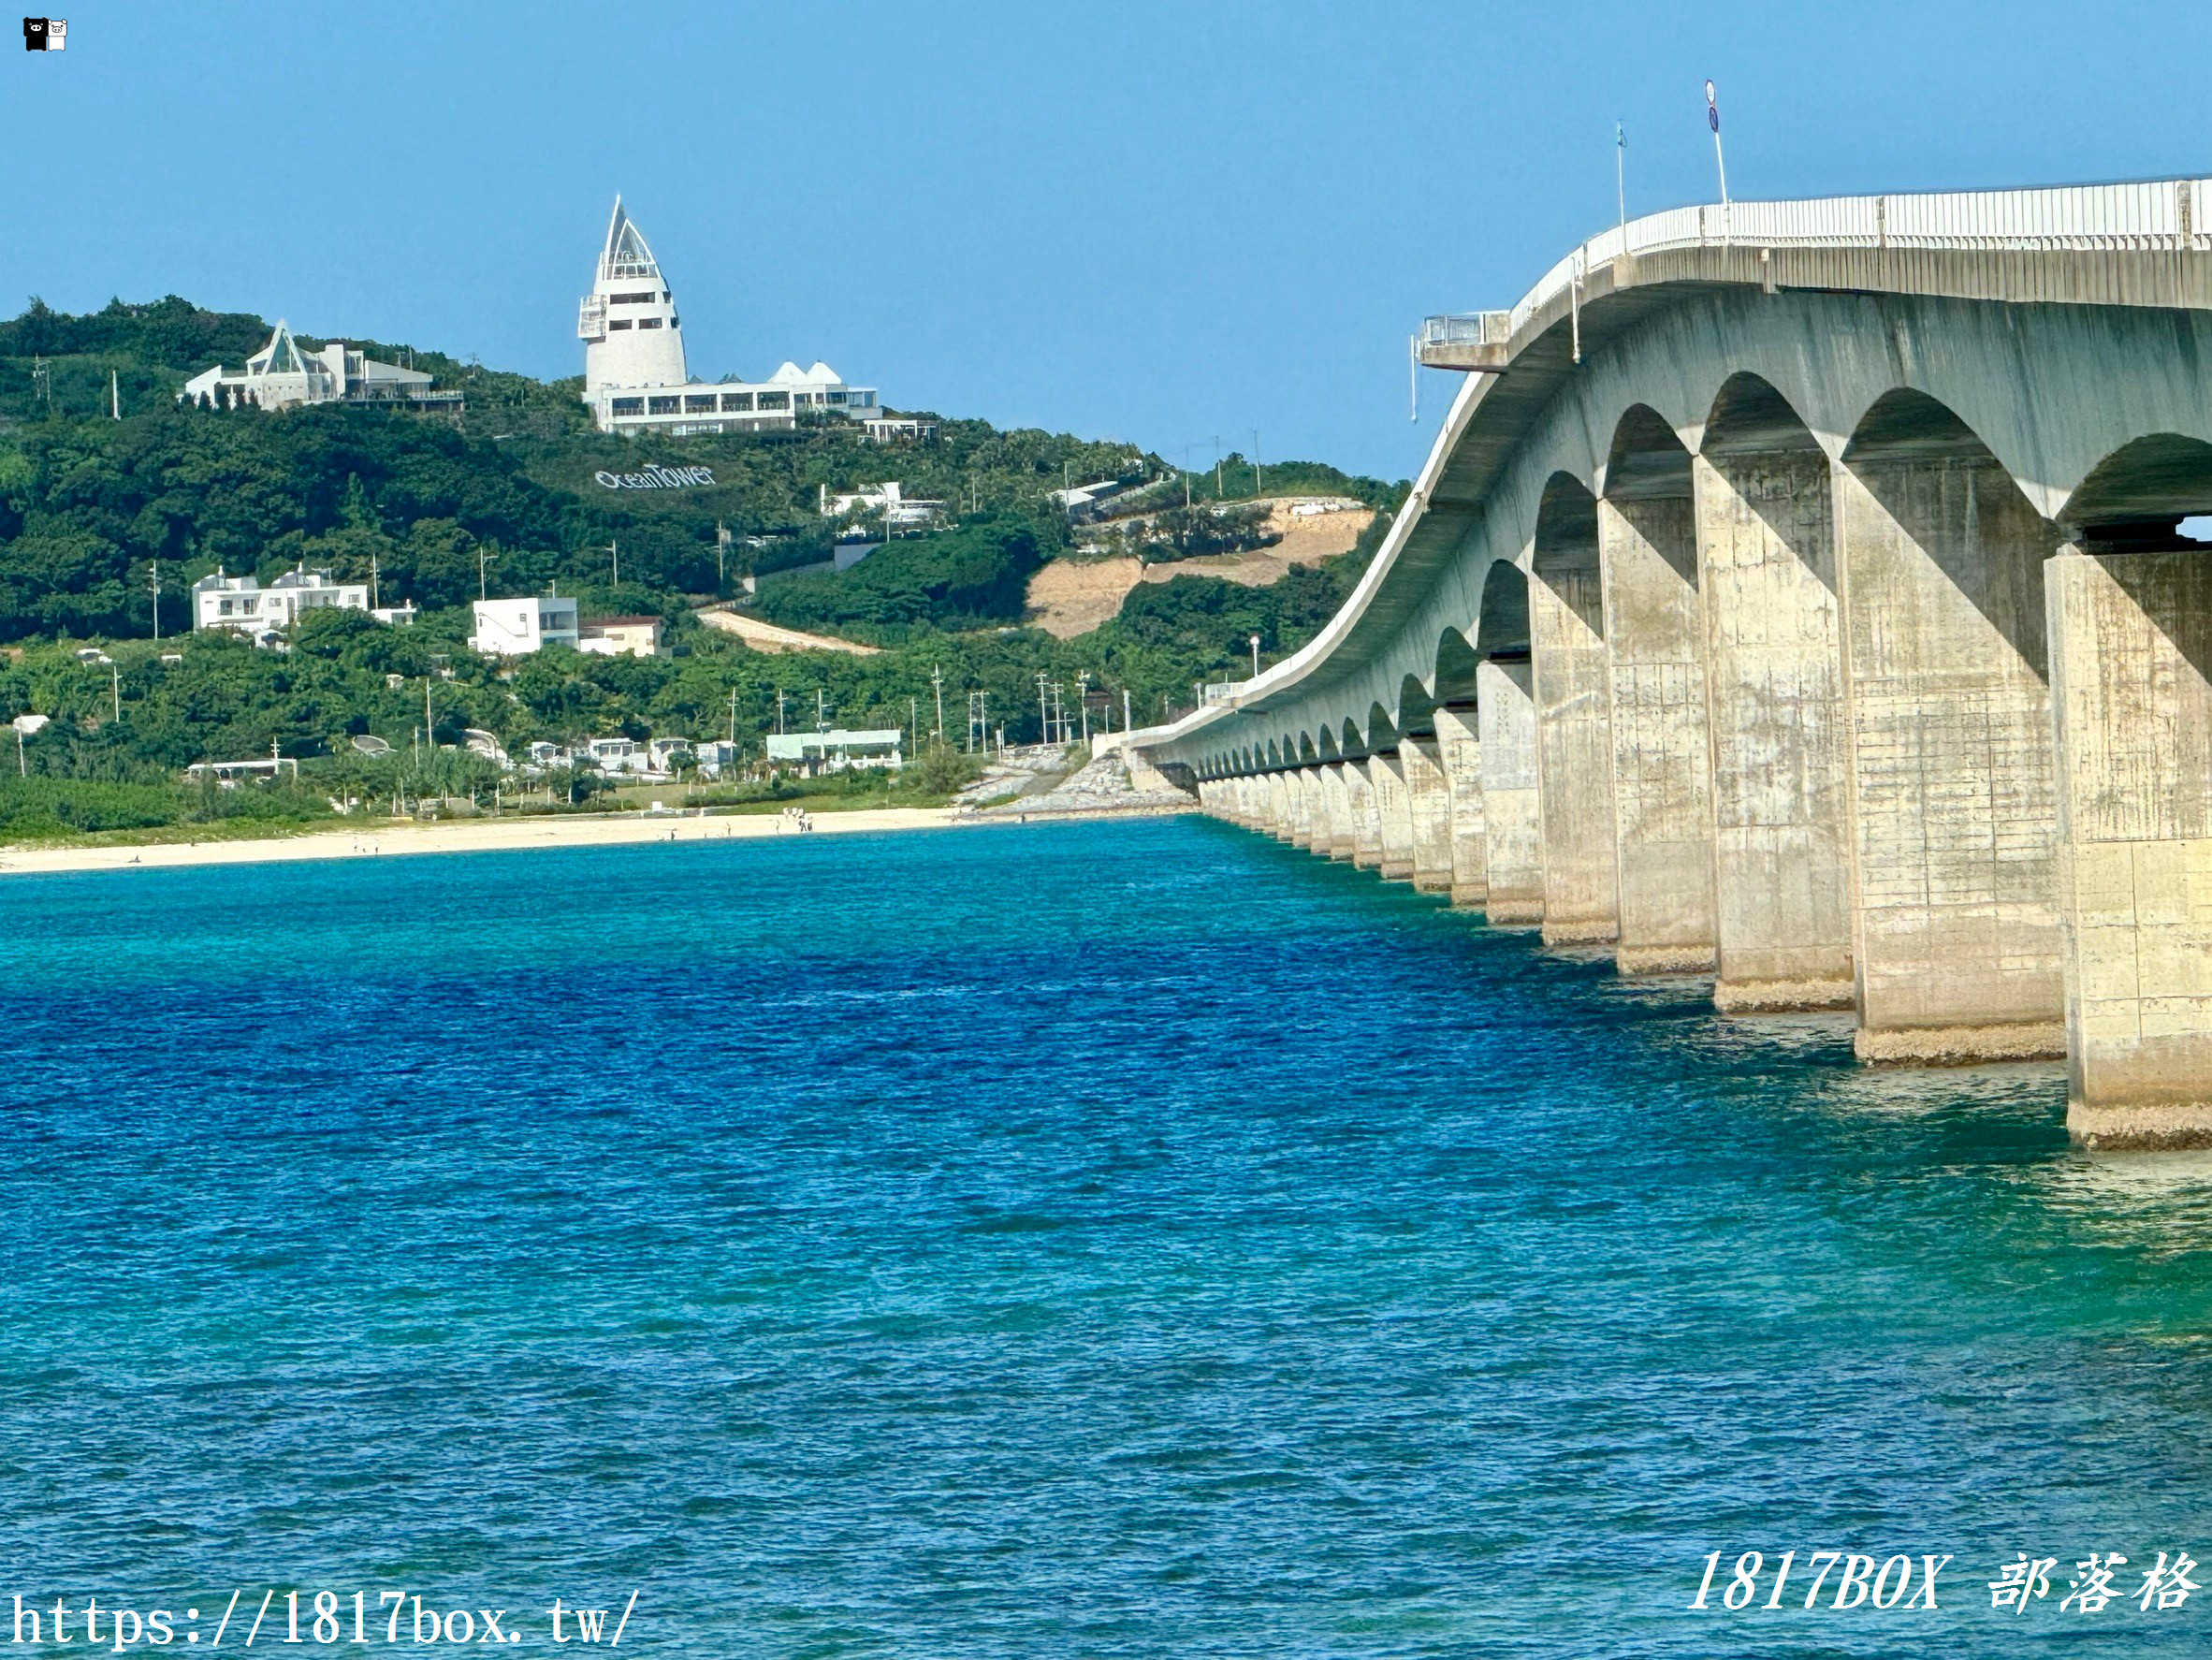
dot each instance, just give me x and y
(2168, 213)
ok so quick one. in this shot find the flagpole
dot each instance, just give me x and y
(1621, 178)
(1712, 116)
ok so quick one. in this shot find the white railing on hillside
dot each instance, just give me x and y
(2165, 214)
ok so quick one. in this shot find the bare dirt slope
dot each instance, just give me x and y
(1071, 597)
(766, 636)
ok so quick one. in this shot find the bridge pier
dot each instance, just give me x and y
(1302, 807)
(1317, 810)
(1366, 808)
(1431, 796)
(1774, 707)
(1956, 940)
(1574, 731)
(1513, 831)
(1661, 764)
(1393, 806)
(2131, 637)
(1344, 822)
(1458, 749)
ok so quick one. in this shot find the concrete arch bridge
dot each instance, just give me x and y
(1796, 593)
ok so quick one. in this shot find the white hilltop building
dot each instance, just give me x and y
(284, 376)
(635, 378)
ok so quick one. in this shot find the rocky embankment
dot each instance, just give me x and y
(1101, 786)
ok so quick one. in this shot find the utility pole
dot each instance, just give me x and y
(733, 716)
(821, 710)
(374, 598)
(1217, 466)
(1126, 721)
(482, 593)
(115, 686)
(616, 548)
(430, 730)
(157, 599)
(914, 722)
(936, 681)
(114, 397)
(778, 711)
(1044, 720)
(1258, 478)
(722, 554)
(1083, 701)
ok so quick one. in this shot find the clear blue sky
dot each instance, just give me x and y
(1158, 223)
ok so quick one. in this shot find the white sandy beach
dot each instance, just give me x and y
(385, 838)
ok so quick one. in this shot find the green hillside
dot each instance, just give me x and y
(91, 507)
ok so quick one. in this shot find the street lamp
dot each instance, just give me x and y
(24, 726)
(1256, 657)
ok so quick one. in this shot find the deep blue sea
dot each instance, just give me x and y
(1080, 1239)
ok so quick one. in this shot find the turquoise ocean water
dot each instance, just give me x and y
(1133, 1240)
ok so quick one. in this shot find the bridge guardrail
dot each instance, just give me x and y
(2161, 215)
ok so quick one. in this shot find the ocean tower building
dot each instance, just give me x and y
(636, 376)
(632, 338)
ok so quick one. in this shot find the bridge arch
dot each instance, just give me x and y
(1774, 679)
(1501, 621)
(2134, 497)
(2130, 615)
(1661, 764)
(1389, 800)
(1505, 729)
(1382, 730)
(1571, 684)
(1416, 707)
(1454, 681)
(1956, 948)
(1452, 671)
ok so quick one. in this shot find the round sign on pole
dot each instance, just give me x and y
(1708, 98)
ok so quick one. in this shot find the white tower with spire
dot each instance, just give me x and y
(635, 380)
(628, 322)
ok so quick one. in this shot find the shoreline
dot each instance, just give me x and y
(385, 839)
